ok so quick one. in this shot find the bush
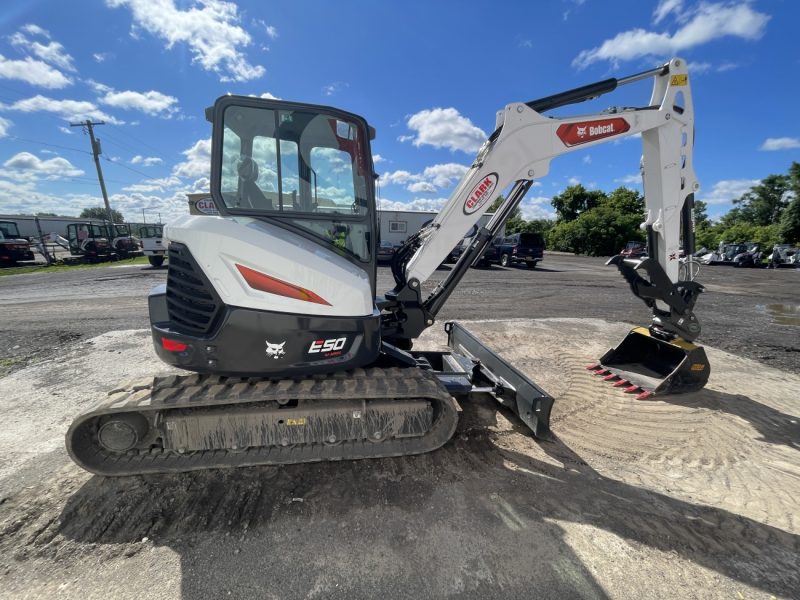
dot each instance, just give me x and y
(601, 231)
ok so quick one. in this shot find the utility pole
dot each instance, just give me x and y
(143, 219)
(96, 152)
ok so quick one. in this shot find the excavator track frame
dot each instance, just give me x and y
(158, 399)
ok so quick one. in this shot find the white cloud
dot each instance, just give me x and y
(727, 190)
(781, 143)
(268, 96)
(146, 161)
(444, 175)
(587, 160)
(727, 66)
(574, 180)
(154, 185)
(537, 207)
(376, 158)
(51, 52)
(34, 72)
(100, 88)
(665, 7)
(272, 32)
(35, 30)
(151, 103)
(334, 88)
(420, 204)
(422, 187)
(444, 128)
(708, 22)
(698, 68)
(67, 130)
(70, 110)
(5, 124)
(431, 179)
(210, 28)
(27, 166)
(398, 177)
(101, 56)
(198, 160)
(632, 179)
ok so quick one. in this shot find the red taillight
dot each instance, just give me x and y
(173, 345)
(271, 285)
(513, 250)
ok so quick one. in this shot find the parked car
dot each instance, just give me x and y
(751, 257)
(13, 247)
(527, 248)
(386, 252)
(784, 255)
(489, 256)
(634, 250)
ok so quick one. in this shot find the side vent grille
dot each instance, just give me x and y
(192, 304)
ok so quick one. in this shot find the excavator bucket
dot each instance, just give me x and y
(647, 365)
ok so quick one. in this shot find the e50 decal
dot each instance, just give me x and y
(327, 346)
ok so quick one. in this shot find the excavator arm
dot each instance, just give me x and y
(519, 151)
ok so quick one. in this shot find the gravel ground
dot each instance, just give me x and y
(684, 496)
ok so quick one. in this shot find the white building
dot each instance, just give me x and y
(397, 225)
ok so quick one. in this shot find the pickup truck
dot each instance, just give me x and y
(527, 248)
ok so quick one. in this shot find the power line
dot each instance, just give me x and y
(30, 141)
(124, 166)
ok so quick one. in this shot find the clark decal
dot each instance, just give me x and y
(480, 194)
(574, 134)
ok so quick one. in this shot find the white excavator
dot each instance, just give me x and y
(273, 303)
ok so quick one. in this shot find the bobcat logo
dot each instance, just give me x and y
(582, 131)
(276, 351)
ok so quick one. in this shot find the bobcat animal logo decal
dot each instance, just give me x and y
(582, 131)
(276, 351)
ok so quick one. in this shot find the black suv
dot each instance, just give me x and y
(525, 248)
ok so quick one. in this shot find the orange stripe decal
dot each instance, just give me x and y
(271, 285)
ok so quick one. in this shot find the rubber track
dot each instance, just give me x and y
(161, 394)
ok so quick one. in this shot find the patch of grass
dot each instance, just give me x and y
(57, 267)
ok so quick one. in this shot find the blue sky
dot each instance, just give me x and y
(429, 76)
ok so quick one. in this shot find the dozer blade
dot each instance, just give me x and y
(647, 365)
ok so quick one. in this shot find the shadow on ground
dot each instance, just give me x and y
(473, 519)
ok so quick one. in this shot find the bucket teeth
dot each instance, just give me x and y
(644, 395)
(602, 372)
(611, 377)
(621, 383)
(592, 367)
(632, 389)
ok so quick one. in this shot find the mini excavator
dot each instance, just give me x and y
(272, 303)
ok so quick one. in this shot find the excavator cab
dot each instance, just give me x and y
(302, 167)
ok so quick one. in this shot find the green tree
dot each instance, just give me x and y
(100, 213)
(625, 201)
(575, 200)
(601, 231)
(515, 214)
(765, 202)
(699, 211)
(790, 222)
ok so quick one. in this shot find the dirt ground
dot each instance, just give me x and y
(691, 496)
